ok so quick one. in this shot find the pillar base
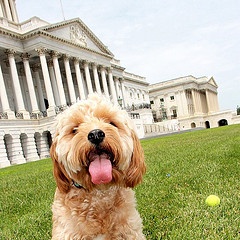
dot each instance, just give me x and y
(18, 161)
(11, 115)
(22, 114)
(4, 163)
(51, 111)
(33, 159)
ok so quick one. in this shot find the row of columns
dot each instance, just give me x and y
(8, 10)
(17, 149)
(54, 85)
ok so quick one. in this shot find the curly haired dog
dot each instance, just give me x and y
(97, 159)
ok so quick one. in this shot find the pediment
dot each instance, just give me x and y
(78, 33)
(212, 82)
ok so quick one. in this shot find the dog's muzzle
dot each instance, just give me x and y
(96, 136)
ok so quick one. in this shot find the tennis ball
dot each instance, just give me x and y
(212, 200)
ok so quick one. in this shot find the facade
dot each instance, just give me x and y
(46, 67)
(188, 102)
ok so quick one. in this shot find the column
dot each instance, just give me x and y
(14, 11)
(4, 98)
(125, 99)
(43, 146)
(39, 87)
(30, 144)
(4, 161)
(194, 101)
(88, 78)
(79, 79)
(1, 11)
(8, 11)
(117, 87)
(209, 101)
(31, 89)
(47, 82)
(184, 103)
(16, 85)
(112, 88)
(69, 79)
(96, 78)
(104, 81)
(54, 83)
(16, 155)
(55, 55)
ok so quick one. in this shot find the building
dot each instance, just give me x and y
(46, 67)
(188, 102)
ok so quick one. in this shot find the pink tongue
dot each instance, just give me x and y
(100, 170)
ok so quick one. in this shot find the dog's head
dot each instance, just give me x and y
(96, 146)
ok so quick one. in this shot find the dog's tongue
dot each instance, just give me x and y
(100, 169)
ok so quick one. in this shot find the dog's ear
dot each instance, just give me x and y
(59, 173)
(137, 167)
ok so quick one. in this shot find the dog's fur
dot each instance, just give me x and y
(96, 211)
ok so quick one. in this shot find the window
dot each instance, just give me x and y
(172, 97)
(152, 102)
(161, 99)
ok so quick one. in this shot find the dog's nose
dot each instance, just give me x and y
(96, 136)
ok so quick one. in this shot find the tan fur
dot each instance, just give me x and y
(104, 211)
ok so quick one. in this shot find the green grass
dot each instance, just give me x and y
(199, 163)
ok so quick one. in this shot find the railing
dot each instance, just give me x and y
(19, 115)
(3, 115)
(138, 106)
(134, 115)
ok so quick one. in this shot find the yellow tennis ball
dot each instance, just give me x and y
(212, 200)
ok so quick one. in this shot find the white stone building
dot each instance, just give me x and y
(46, 67)
(189, 102)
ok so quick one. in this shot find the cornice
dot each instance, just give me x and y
(40, 32)
(134, 80)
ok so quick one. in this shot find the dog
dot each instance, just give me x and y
(97, 160)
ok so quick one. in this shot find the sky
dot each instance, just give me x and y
(161, 39)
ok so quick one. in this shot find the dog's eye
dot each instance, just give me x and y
(113, 124)
(74, 130)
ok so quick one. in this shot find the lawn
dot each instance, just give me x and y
(182, 171)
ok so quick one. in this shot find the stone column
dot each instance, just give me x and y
(58, 76)
(4, 161)
(4, 98)
(117, 87)
(31, 89)
(194, 101)
(16, 85)
(44, 148)
(96, 78)
(47, 82)
(88, 78)
(79, 79)
(8, 11)
(104, 81)
(14, 11)
(184, 103)
(31, 148)
(39, 88)
(54, 82)
(112, 88)
(1, 11)
(125, 99)
(16, 156)
(209, 101)
(69, 79)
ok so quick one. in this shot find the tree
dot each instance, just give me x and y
(238, 110)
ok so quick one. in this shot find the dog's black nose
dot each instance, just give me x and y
(96, 136)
